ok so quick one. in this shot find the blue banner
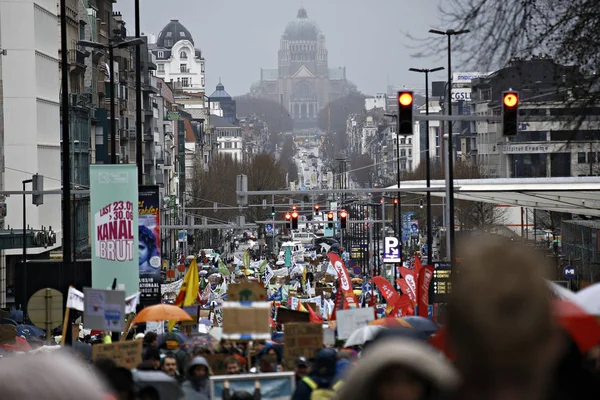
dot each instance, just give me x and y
(114, 214)
(273, 386)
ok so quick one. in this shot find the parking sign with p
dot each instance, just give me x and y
(391, 250)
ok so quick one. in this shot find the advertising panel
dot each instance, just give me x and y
(466, 77)
(149, 245)
(114, 194)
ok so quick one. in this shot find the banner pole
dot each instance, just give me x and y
(65, 322)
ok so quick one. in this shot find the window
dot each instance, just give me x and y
(228, 145)
(410, 152)
(202, 82)
(182, 67)
(161, 54)
(402, 153)
(181, 34)
(592, 158)
(81, 30)
(168, 42)
(184, 82)
(183, 55)
(202, 67)
(169, 34)
(161, 68)
(581, 158)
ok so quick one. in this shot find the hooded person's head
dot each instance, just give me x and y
(499, 319)
(399, 369)
(325, 362)
(198, 368)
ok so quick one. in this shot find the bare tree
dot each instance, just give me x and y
(264, 173)
(332, 117)
(362, 169)
(470, 215)
(501, 31)
(286, 158)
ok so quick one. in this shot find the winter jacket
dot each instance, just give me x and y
(196, 388)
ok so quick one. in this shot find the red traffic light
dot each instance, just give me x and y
(330, 216)
(510, 99)
(293, 208)
(317, 207)
(395, 201)
(294, 215)
(288, 216)
(405, 98)
(343, 214)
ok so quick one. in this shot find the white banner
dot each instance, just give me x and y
(75, 300)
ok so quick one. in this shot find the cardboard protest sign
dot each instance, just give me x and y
(251, 291)
(246, 321)
(217, 363)
(301, 340)
(285, 315)
(126, 354)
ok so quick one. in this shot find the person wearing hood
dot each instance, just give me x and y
(196, 386)
(399, 369)
(321, 376)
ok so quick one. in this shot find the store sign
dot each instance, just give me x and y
(527, 149)
(461, 94)
(466, 77)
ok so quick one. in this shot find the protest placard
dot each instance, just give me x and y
(301, 339)
(251, 291)
(126, 354)
(273, 386)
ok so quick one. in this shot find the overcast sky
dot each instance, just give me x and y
(238, 37)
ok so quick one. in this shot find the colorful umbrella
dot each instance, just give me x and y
(161, 312)
(200, 340)
(390, 322)
(425, 325)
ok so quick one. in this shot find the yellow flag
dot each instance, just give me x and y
(189, 289)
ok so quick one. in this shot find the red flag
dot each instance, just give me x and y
(350, 300)
(411, 278)
(314, 318)
(418, 266)
(387, 290)
(425, 278)
(407, 290)
(402, 307)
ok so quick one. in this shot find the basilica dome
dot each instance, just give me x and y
(302, 28)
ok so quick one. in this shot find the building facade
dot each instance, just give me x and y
(178, 61)
(229, 137)
(303, 81)
(551, 142)
(222, 100)
(32, 114)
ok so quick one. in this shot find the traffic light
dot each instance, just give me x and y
(395, 202)
(316, 208)
(510, 113)
(405, 113)
(343, 216)
(421, 203)
(330, 220)
(294, 220)
(288, 219)
(293, 208)
(272, 211)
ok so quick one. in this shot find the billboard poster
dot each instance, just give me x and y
(114, 193)
(407, 221)
(149, 245)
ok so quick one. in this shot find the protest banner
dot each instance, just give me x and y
(246, 321)
(250, 291)
(273, 386)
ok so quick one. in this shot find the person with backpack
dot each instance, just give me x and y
(319, 384)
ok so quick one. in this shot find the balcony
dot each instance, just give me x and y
(76, 58)
(148, 136)
(149, 84)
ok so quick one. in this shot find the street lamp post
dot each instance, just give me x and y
(113, 122)
(26, 181)
(428, 161)
(399, 195)
(450, 184)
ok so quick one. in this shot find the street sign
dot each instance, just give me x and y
(391, 250)
(569, 272)
(45, 309)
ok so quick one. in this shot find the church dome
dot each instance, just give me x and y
(302, 28)
(220, 93)
(172, 33)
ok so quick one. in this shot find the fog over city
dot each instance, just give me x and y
(368, 38)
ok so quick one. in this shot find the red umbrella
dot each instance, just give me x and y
(19, 345)
(582, 327)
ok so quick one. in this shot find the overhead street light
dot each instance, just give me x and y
(121, 44)
(427, 160)
(450, 184)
